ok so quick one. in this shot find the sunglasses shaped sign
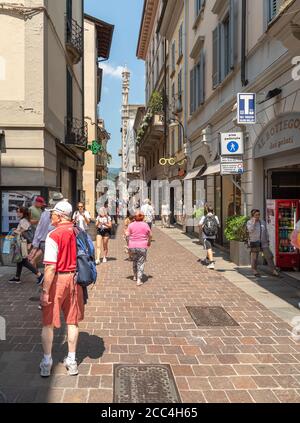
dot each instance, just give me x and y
(170, 162)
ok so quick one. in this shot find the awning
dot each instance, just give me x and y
(193, 173)
(213, 169)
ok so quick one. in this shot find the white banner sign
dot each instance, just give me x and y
(232, 168)
(232, 144)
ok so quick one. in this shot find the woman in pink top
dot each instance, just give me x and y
(139, 235)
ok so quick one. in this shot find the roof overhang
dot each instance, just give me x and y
(104, 32)
(147, 22)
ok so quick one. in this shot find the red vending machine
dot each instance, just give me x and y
(282, 216)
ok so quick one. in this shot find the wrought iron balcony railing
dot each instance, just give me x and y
(76, 132)
(74, 40)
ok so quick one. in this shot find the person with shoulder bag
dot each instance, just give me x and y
(259, 242)
(24, 240)
(210, 226)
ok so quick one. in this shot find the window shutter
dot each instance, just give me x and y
(192, 91)
(233, 32)
(202, 78)
(215, 57)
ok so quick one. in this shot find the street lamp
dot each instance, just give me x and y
(175, 122)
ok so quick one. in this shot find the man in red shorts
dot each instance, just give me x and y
(60, 292)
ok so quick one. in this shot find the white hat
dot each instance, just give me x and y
(64, 208)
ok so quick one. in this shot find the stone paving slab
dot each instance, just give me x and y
(257, 361)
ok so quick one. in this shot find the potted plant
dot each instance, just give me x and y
(236, 233)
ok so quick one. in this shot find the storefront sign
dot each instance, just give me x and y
(246, 108)
(232, 168)
(232, 144)
(280, 135)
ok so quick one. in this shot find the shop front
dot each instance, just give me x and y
(276, 162)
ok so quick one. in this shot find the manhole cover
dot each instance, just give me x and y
(144, 384)
(211, 316)
(35, 299)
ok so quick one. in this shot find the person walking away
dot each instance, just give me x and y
(60, 291)
(209, 225)
(23, 228)
(259, 242)
(139, 235)
(129, 219)
(165, 215)
(103, 225)
(82, 217)
(36, 210)
(148, 211)
(44, 226)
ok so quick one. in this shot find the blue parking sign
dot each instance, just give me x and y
(246, 108)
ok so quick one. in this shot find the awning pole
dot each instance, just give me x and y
(244, 193)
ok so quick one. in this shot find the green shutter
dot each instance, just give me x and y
(233, 23)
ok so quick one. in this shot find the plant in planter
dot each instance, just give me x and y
(156, 103)
(236, 232)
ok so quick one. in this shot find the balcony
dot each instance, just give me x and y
(152, 134)
(74, 40)
(101, 160)
(76, 133)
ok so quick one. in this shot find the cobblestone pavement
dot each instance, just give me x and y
(257, 361)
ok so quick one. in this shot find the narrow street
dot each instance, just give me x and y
(256, 361)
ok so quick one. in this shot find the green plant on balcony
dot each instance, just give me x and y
(236, 228)
(156, 104)
(109, 158)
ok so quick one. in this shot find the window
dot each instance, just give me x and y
(180, 90)
(69, 95)
(180, 42)
(173, 56)
(198, 6)
(273, 8)
(179, 137)
(197, 84)
(224, 46)
(173, 92)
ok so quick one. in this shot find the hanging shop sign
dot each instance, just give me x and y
(232, 143)
(95, 147)
(246, 111)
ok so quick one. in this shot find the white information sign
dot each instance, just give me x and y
(232, 144)
(232, 168)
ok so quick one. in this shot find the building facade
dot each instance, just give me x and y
(229, 47)
(97, 45)
(44, 136)
(242, 46)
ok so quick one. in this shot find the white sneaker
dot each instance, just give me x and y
(45, 368)
(211, 266)
(139, 283)
(134, 278)
(104, 260)
(71, 366)
(97, 262)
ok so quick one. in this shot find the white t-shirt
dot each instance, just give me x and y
(165, 210)
(202, 222)
(101, 220)
(148, 211)
(80, 221)
(23, 225)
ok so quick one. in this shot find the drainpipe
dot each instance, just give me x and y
(186, 59)
(243, 51)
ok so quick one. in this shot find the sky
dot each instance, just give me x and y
(125, 15)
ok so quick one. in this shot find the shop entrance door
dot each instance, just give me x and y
(284, 184)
